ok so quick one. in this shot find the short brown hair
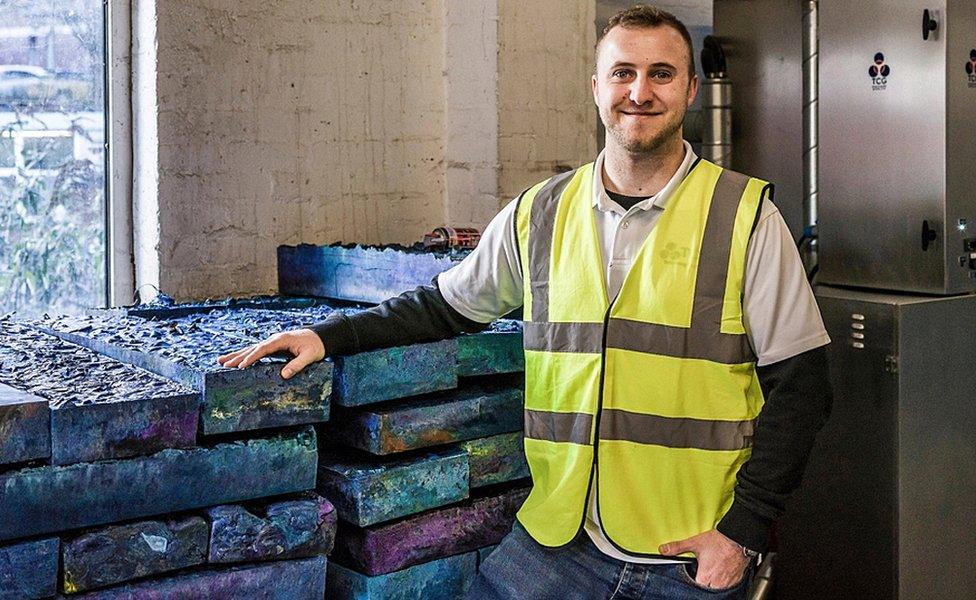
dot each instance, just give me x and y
(648, 17)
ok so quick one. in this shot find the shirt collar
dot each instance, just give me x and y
(602, 201)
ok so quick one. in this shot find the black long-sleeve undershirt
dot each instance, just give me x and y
(420, 315)
(796, 390)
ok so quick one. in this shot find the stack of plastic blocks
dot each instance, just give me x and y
(422, 456)
(185, 480)
(431, 482)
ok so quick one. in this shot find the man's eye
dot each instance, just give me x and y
(620, 74)
(662, 76)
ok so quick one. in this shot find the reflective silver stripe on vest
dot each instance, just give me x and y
(695, 342)
(622, 425)
(703, 340)
(674, 432)
(563, 337)
(542, 226)
(713, 271)
(558, 427)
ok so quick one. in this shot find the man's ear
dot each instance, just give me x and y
(692, 89)
(596, 100)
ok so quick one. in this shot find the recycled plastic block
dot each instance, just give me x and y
(494, 351)
(29, 570)
(442, 418)
(163, 307)
(496, 459)
(99, 407)
(435, 534)
(444, 579)
(358, 379)
(186, 350)
(358, 274)
(46, 499)
(289, 529)
(121, 553)
(367, 490)
(395, 373)
(301, 579)
(25, 426)
(484, 553)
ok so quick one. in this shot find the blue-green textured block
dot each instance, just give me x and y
(367, 489)
(99, 407)
(495, 351)
(29, 570)
(471, 412)
(496, 459)
(358, 274)
(25, 431)
(484, 553)
(302, 579)
(165, 308)
(55, 498)
(287, 529)
(444, 579)
(395, 373)
(186, 349)
(121, 553)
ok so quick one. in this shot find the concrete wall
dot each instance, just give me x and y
(343, 120)
(547, 123)
(290, 121)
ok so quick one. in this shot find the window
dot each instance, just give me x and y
(52, 156)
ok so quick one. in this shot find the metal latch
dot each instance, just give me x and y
(891, 363)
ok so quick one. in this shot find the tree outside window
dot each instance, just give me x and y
(52, 157)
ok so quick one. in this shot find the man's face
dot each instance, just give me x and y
(642, 87)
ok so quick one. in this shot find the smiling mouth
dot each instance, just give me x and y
(641, 114)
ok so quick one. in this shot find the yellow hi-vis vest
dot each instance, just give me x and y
(651, 396)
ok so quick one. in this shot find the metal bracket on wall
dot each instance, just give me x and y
(891, 363)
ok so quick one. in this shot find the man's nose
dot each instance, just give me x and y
(641, 90)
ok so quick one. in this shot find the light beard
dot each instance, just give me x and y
(659, 141)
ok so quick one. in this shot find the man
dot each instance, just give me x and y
(665, 306)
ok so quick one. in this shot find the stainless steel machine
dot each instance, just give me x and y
(898, 145)
(887, 508)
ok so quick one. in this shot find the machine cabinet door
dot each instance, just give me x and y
(882, 132)
(838, 536)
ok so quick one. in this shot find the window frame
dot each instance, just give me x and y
(119, 253)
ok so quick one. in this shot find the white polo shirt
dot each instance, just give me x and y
(780, 314)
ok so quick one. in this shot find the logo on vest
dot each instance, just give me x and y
(879, 72)
(971, 68)
(674, 255)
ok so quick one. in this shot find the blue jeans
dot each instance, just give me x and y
(522, 569)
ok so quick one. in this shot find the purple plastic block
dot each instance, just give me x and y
(358, 274)
(496, 459)
(462, 414)
(29, 570)
(288, 529)
(25, 430)
(100, 408)
(429, 536)
(122, 553)
(47, 499)
(302, 579)
(444, 579)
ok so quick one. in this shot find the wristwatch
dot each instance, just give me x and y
(748, 553)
